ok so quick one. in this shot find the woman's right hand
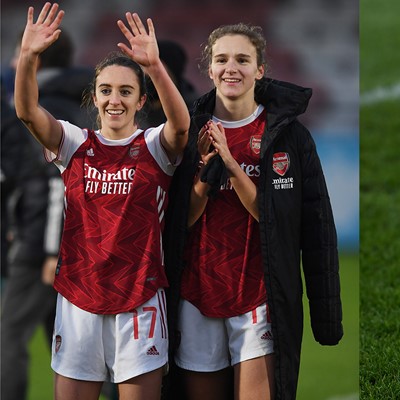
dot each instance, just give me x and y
(204, 142)
(39, 36)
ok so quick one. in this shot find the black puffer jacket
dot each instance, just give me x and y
(296, 227)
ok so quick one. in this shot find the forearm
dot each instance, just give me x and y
(198, 200)
(26, 83)
(40, 123)
(244, 188)
(174, 107)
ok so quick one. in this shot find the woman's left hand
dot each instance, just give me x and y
(144, 48)
(218, 140)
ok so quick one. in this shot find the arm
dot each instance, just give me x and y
(37, 38)
(54, 227)
(198, 196)
(242, 184)
(319, 247)
(144, 51)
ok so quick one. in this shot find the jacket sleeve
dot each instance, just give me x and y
(319, 249)
(55, 212)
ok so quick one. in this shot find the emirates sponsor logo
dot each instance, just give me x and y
(283, 183)
(281, 163)
(106, 182)
(152, 351)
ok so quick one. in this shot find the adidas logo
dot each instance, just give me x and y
(90, 152)
(152, 351)
(267, 336)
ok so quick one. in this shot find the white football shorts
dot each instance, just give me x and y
(211, 344)
(94, 347)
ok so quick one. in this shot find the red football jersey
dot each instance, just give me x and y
(223, 275)
(115, 196)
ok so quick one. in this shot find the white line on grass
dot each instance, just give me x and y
(381, 94)
(353, 396)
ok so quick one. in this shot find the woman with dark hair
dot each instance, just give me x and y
(110, 321)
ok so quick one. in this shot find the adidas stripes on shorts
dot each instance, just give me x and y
(211, 344)
(95, 347)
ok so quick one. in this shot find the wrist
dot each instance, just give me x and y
(28, 56)
(155, 69)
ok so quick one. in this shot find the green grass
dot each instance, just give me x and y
(379, 43)
(40, 374)
(379, 204)
(332, 371)
(380, 252)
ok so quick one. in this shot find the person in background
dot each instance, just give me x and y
(248, 205)
(32, 214)
(174, 58)
(110, 315)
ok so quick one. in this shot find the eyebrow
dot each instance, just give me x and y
(109, 85)
(243, 55)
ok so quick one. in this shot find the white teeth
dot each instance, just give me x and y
(115, 112)
(231, 80)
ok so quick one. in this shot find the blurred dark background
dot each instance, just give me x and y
(312, 43)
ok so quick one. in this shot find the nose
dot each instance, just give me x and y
(115, 98)
(231, 66)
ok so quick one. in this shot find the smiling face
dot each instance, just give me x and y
(234, 68)
(117, 98)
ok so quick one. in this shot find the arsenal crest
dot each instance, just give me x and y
(255, 144)
(281, 163)
(134, 151)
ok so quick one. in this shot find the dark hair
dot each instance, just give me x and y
(113, 58)
(252, 32)
(59, 54)
(174, 56)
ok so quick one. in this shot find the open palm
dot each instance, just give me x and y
(40, 35)
(144, 48)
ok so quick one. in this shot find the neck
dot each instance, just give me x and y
(234, 110)
(117, 134)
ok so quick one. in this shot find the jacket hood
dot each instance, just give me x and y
(283, 100)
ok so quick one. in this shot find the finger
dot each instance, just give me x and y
(55, 36)
(43, 13)
(57, 21)
(139, 23)
(29, 19)
(132, 24)
(210, 155)
(201, 134)
(51, 14)
(152, 31)
(220, 128)
(126, 32)
(125, 49)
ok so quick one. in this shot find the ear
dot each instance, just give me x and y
(260, 72)
(141, 102)
(210, 73)
(94, 100)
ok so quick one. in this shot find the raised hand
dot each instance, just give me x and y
(39, 36)
(144, 48)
